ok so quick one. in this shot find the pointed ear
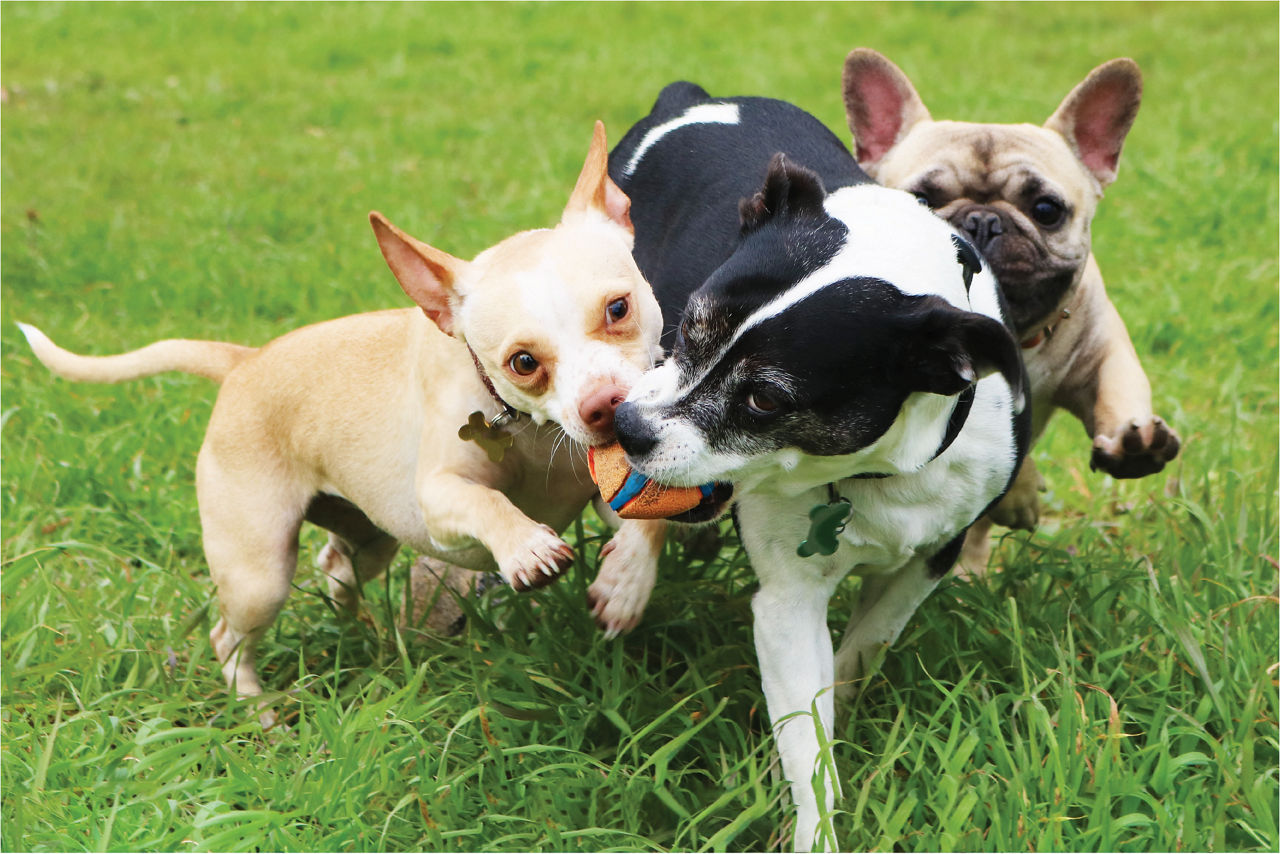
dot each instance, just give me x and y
(1095, 117)
(426, 274)
(880, 104)
(788, 189)
(595, 191)
(949, 348)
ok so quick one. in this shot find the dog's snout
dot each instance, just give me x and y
(597, 409)
(636, 436)
(982, 225)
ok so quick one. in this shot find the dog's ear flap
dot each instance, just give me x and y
(949, 348)
(1095, 117)
(880, 105)
(427, 275)
(595, 192)
(788, 189)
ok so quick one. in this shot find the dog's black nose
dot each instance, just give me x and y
(636, 436)
(983, 226)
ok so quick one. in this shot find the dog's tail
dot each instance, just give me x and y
(212, 359)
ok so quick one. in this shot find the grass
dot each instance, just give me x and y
(179, 170)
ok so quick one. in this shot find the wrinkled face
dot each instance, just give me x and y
(563, 323)
(830, 343)
(1019, 194)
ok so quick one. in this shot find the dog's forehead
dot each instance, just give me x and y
(540, 289)
(985, 158)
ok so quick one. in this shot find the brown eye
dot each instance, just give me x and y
(523, 364)
(616, 310)
(762, 403)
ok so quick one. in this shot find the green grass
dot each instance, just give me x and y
(205, 170)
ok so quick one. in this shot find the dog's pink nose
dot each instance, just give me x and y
(596, 409)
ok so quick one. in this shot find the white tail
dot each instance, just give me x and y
(212, 359)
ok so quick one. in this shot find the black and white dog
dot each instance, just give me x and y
(841, 358)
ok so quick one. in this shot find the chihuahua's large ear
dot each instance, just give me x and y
(426, 274)
(1095, 117)
(788, 189)
(949, 348)
(595, 192)
(880, 104)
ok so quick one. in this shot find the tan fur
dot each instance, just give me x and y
(1078, 354)
(353, 423)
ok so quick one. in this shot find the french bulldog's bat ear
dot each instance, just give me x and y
(1095, 117)
(427, 275)
(949, 348)
(880, 105)
(788, 189)
(595, 193)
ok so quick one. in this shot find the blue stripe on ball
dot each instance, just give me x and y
(632, 487)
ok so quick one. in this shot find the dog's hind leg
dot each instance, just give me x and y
(887, 606)
(251, 543)
(357, 551)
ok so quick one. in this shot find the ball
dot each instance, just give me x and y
(634, 496)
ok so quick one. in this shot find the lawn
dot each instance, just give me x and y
(205, 170)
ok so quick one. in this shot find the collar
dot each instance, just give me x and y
(509, 413)
(1044, 334)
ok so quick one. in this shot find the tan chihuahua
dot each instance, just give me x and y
(446, 429)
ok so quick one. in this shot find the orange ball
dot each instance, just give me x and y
(634, 496)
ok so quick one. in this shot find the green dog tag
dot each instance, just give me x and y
(494, 440)
(826, 521)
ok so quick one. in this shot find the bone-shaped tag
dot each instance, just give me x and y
(493, 439)
(826, 521)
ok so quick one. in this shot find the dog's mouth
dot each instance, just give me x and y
(712, 507)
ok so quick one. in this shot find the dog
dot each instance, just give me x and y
(838, 354)
(1025, 196)
(436, 426)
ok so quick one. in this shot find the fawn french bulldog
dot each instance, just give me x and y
(1025, 195)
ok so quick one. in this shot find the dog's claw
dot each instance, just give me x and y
(544, 557)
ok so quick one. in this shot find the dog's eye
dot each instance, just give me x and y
(522, 364)
(616, 310)
(922, 197)
(1047, 212)
(762, 403)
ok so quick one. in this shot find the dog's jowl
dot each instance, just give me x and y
(842, 357)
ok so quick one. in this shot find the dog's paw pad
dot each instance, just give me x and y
(540, 561)
(1141, 447)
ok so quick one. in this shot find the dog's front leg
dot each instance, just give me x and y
(1114, 403)
(457, 509)
(797, 671)
(628, 571)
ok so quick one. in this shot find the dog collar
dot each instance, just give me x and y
(827, 521)
(1044, 334)
(489, 434)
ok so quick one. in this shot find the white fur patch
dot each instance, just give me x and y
(703, 114)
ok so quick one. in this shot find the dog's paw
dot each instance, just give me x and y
(1020, 507)
(336, 565)
(1137, 448)
(537, 561)
(618, 596)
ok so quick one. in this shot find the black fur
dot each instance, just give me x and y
(688, 222)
